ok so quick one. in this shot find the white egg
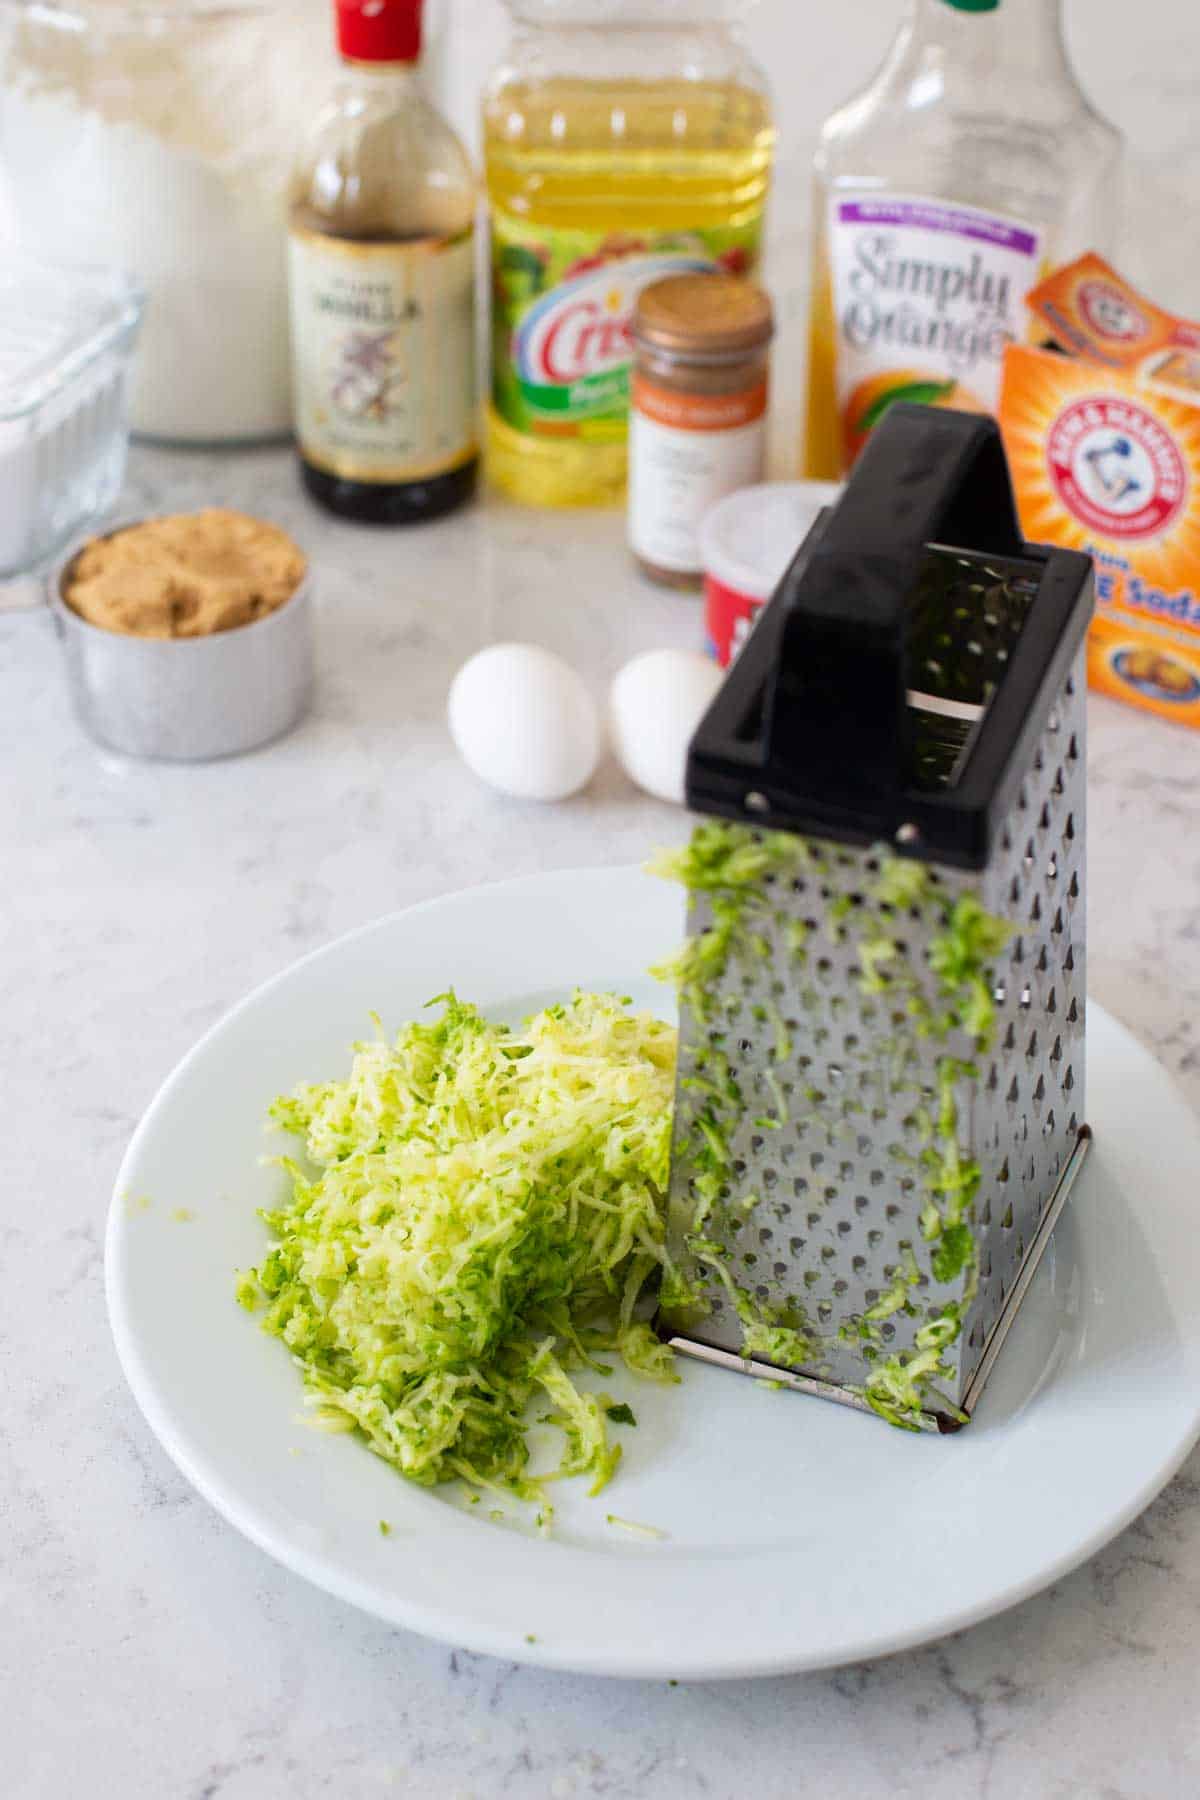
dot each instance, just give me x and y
(523, 721)
(655, 705)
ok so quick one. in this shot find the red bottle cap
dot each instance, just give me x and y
(379, 30)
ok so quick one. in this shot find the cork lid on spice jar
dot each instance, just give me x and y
(703, 317)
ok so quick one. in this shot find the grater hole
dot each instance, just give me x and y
(888, 1332)
(824, 1311)
(779, 1270)
(1048, 1126)
(1069, 828)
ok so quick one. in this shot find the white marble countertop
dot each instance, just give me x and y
(148, 1651)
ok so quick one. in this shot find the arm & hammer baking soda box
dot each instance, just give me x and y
(1102, 430)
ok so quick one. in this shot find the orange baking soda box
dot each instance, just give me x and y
(1103, 437)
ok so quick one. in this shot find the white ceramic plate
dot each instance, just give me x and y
(798, 1533)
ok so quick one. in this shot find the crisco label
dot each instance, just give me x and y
(927, 296)
(562, 304)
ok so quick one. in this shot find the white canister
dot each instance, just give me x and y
(746, 543)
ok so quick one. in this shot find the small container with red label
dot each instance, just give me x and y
(746, 543)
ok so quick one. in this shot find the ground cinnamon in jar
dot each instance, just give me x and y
(698, 416)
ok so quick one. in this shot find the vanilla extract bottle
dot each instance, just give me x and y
(382, 285)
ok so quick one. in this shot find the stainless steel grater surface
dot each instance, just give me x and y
(860, 1189)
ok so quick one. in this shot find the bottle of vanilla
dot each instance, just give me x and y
(382, 284)
(944, 190)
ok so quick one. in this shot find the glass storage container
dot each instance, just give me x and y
(66, 337)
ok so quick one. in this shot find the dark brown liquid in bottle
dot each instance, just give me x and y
(361, 190)
(390, 502)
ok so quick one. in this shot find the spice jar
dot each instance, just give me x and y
(698, 412)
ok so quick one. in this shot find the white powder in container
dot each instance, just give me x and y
(160, 138)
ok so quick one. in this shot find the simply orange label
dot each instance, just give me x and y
(926, 297)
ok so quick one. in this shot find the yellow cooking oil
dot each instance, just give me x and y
(597, 187)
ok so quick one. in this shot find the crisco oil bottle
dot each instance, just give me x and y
(619, 147)
(943, 191)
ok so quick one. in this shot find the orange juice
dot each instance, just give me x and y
(969, 164)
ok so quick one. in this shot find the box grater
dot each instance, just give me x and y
(879, 1105)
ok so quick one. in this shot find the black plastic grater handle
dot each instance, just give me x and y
(836, 706)
(809, 731)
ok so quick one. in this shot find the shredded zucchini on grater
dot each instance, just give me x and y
(479, 1212)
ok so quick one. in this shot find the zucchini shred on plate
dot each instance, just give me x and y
(475, 1215)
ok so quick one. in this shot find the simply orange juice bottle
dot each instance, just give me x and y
(970, 163)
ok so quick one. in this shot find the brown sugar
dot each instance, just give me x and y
(186, 575)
